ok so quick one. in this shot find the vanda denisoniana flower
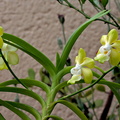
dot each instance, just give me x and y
(110, 49)
(82, 70)
(9, 53)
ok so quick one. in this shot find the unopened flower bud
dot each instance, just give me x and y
(61, 18)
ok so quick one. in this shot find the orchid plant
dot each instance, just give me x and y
(82, 72)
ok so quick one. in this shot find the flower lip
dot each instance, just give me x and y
(76, 70)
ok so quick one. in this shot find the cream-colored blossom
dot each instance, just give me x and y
(82, 69)
(110, 49)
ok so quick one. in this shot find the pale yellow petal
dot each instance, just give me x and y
(11, 48)
(103, 39)
(1, 31)
(1, 61)
(81, 56)
(74, 79)
(102, 58)
(88, 62)
(87, 75)
(2, 64)
(116, 45)
(12, 58)
(112, 36)
(114, 57)
(1, 42)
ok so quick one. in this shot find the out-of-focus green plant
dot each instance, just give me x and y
(52, 81)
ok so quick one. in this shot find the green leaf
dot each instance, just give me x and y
(104, 2)
(98, 103)
(83, 1)
(54, 117)
(27, 108)
(31, 73)
(28, 82)
(22, 115)
(75, 36)
(32, 51)
(57, 59)
(1, 117)
(24, 92)
(75, 109)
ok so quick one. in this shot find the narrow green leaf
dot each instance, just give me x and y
(1, 117)
(24, 92)
(32, 51)
(74, 37)
(54, 117)
(76, 110)
(116, 93)
(22, 115)
(27, 108)
(28, 82)
(57, 59)
(83, 1)
(104, 2)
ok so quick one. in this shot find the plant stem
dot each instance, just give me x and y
(11, 70)
(107, 106)
(89, 85)
(99, 69)
(63, 31)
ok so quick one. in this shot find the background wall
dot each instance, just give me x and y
(36, 22)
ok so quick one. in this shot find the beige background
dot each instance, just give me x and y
(36, 22)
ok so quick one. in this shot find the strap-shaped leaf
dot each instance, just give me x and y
(27, 108)
(1, 117)
(28, 82)
(22, 115)
(54, 117)
(24, 92)
(75, 109)
(32, 51)
(75, 36)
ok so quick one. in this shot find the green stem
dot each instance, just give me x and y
(89, 85)
(11, 70)
(98, 68)
(63, 30)
(71, 6)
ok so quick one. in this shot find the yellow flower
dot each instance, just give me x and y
(82, 69)
(110, 49)
(10, 55)
(1, 40)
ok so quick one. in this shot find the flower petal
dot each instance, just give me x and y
(76, 70)
(114, 57)
(1, 42)
(74, 79)
(81, 56)
(87, 75)
(12, 58)
(1, 31)
(11, 48)
(101, 58)
(103, 39)
(116, 45)
(112, 36)
(88, 62)
(2, 64)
